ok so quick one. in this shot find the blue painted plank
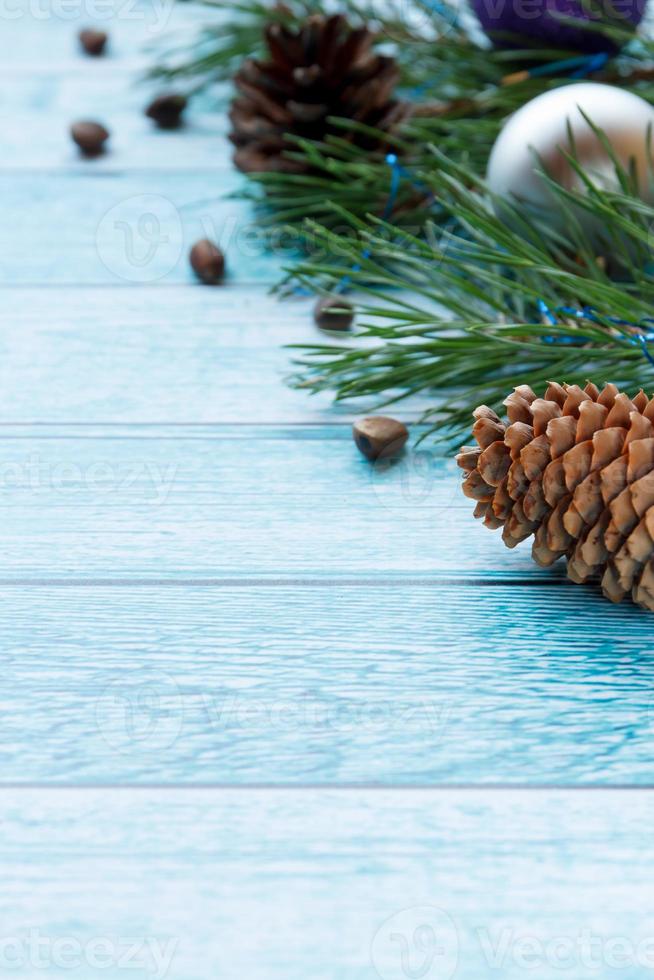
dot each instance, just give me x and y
(234, 500)
(98, 228)
(47, 104)
(41, 38)
(286, 886)
(341, 682)
(159, 355)
(134, 143)
(47, 82)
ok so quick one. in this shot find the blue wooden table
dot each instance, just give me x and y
(267, 712)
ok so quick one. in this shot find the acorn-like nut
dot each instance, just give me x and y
(379, 437)
(208, 262)
(166, 110)
(333, 313)
(92, 41)
(90, 137)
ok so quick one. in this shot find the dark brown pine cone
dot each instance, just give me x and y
(326, 68)
(574, 468)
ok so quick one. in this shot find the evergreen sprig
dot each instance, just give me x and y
(477, 90)
(236, 31)
(458, 314)
(460, 90)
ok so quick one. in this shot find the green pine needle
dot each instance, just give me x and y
(454, 81)
(455, 316)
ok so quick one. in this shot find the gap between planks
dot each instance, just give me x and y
(344, 787)
(282, 582)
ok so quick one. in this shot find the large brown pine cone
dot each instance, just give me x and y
(576, 469)
(326, 68)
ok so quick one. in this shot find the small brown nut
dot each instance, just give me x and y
(90, 137)
(378, 437)
(333, 313)
(166, 110)
(92, 41)
(208, 262)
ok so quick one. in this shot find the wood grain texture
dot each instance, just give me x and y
(48, 82)
(147, 355)
(134, 144)
(335, 884)
(303, 682)
(202, 582)
(41, 38)
(98, 227)
(44, 104)
(37, 109)
(221, 501)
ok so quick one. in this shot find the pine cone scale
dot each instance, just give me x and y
(306, 112)
(264, 105)
(284, 48)
(575, 469)
(355, 49)
(307, 77)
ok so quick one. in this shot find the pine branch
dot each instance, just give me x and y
(237, 32)
(479, 89)
(456, 315)
(459, 89)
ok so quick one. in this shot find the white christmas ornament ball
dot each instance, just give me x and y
(540, 130)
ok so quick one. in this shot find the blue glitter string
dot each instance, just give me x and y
(593, 64)
(397, 172)
(576, 67)
(642, 339)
